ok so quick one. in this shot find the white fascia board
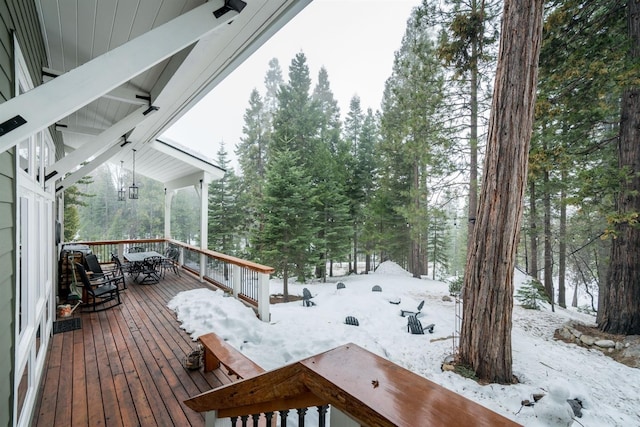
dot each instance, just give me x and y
(188, 158)
(187, 181)
(50, 102)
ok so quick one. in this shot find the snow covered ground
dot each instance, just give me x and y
(610, 391)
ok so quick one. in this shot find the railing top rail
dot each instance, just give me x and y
(228, 258)
(213, 254)
(367, 387)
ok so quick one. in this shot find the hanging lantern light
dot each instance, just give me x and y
(133, 189)
(122, 195)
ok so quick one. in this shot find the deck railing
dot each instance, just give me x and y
(246, 280)
(356, 387)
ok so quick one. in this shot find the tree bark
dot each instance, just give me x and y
(619, 303)
(548, 254)
(562, 247)
(532, 268)
(485, 341)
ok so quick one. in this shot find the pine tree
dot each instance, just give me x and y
(333, 237)
(289, 214)
(619, 305)
(224, 212)
(414, 145)
(465, 44)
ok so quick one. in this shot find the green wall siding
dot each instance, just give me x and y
(19, 17)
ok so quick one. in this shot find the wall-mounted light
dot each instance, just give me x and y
(229, 5)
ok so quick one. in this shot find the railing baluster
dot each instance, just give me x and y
(301, 413)
(244, 419)
(269, 416)
(234, 421)
(322, 415)
(255, 417)
(283, 417)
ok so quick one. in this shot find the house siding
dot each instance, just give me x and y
(19, 17)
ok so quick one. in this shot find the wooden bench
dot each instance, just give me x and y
(217, 351)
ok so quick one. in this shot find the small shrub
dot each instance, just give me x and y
(531, 294)
(586, 309)
(455, 285)
(465, 371)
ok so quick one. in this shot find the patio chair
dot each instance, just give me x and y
(99, 292)
(128, 268)
(306, 298)
(99, 274)
(170, 261)
(405, 313)
(150, 270)
(134, 249)
(415, 327)
(350, 320)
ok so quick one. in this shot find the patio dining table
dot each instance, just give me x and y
(140, 266)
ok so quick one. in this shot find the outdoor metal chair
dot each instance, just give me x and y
(170, 261)
(150, 270)
(134, 249)
(99, 274)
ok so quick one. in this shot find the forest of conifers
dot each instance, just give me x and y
(316, 185)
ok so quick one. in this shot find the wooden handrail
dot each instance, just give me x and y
(228, 258)
(217, 255)
(370, 389)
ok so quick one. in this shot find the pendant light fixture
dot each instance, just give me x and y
(122, 195)
(133, 189)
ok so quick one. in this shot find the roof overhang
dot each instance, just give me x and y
(120, 73)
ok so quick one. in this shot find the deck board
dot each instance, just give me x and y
(124, 367)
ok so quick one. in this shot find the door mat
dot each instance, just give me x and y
(67, 325)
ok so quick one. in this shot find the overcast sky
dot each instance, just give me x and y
(354, 40)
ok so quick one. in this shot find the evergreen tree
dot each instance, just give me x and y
(252, 157)
(296, 128)
(465, 44)
(289, 214)
(224, 213)
(414, 144)
(333, 236)
(619, 305)
(352, 131)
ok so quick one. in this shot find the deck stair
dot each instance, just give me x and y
(361, 388)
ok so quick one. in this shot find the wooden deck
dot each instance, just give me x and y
(124, 366)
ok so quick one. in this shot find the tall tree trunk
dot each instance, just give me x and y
(532, 269)
(355, 249)
(548, 255)
(367, 262)
(485, 341)
(562, 248)
(619, 309)
(473, 140)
